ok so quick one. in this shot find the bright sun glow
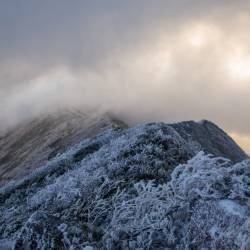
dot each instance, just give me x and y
(197, 39)
(196, 36)
(199, 35)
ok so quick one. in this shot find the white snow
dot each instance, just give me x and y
(88, 248)
(232, 207)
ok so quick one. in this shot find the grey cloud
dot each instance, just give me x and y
(110, 54)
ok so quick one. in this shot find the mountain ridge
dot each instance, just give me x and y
(144, 187)
(210, 138)
(33, 143)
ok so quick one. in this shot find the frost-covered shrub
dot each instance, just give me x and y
(141, 221)
(66, 190)
(203, 176)
(149, 154)
(145, 152)
(130, 189)
(194, 210)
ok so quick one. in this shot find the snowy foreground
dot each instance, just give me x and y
(139, 188)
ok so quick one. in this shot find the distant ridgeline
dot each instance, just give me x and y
(32, 143)
(154, 186)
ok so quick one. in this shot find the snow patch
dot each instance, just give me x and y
(232, 207)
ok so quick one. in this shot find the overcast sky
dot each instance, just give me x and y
(144, 60)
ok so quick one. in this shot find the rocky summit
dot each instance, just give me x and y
(153, 186)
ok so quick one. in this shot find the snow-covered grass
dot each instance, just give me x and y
(131, 189)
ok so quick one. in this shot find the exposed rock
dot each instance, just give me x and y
(208, 137)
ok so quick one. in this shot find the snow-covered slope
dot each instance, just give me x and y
(137, 188)
(33, 143)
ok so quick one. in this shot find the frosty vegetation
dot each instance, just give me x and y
(138, 188)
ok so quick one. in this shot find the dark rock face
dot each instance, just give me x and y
(210, 138)
(32, 144)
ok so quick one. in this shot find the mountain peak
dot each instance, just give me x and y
(114, 190)
(207, 136)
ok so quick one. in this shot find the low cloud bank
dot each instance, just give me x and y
(160, 61)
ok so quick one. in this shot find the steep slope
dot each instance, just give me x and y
(135, 188)
(33, 143)
(208, 137)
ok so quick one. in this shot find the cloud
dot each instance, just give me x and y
(143, 60)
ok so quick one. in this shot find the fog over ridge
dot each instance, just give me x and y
(145, 61)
